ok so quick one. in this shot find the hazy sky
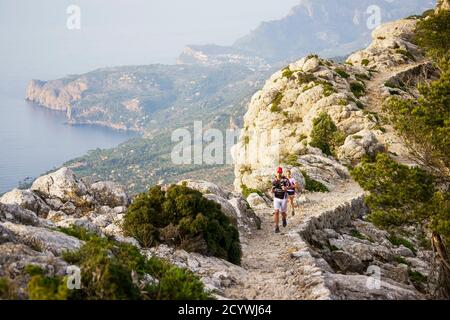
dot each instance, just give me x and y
(36, 43)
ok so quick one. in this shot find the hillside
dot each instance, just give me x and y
(147, 98)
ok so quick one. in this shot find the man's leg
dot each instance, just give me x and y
(276, 218)
(283, 212)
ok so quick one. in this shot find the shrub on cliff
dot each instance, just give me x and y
(115, 271)
(182, 217)
(41, 287)
(433, 34)
(399, 195)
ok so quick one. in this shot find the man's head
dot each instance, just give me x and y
(279, 172)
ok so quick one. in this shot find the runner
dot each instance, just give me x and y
(279, 189)
(292, 189)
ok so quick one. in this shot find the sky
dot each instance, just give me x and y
(36, 43)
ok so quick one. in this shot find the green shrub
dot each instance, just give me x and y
(174, 283)
(77, 232)
(287, 72)
(357, 89)
(325, 135)
(400, 195)
(365, 62)
(342, 73)
(328, 88)
(417, 278)
(313, 185)
(356, 234)
(406, 53)
(41, 287)
(342, 102)
(361, 77)
(312, 55)
(200, 224)
(291, 160)
(401, 260)
(107, 269)
(433, 35)
(276, 102)
(305, 78)
(398, 241)
(360, 105)
(246, 191)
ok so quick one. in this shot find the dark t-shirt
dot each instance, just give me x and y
(277, 187)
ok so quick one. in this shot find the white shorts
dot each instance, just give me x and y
(280, 204)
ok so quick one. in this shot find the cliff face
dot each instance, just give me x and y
(340, 254)
(351, 94)
(56, 95)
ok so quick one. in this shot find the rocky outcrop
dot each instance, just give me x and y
(357, 261)
(59, 199)
(391, 46)
(216, 274)
(57, 95)
(279, 122)
(33, 223)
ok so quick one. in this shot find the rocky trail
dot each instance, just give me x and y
(374, 87)
(272, 271)
(374, 99)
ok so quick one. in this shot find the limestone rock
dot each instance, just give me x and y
(61, 184)
(205, 187)
(347, 262)
(256, 201)
(362, 287)
(26, 199)
(6, 235)
(109, 194)
(389, 41)
(358, 145)
(16, 214)
(43, 239)
(226, 207)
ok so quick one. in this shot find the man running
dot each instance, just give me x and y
(279, 189)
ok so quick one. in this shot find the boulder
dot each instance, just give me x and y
(61, 184)
(247, 219)
(346, 262)
(43, 239)
(403, 251)
(205, 187)
(256, 201)
(16, 214)
(358, 145)
(26, 199)
(363, 287)
(226, 207)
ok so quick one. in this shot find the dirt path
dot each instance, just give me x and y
(374, 102)
(375, 85)
(271, 272)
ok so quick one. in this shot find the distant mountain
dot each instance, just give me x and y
(327, 27)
